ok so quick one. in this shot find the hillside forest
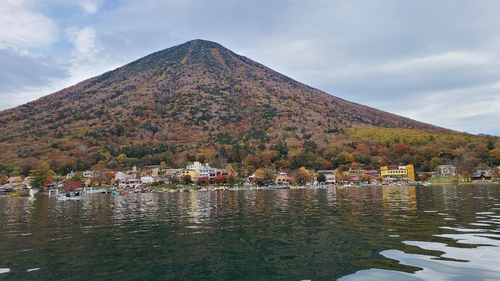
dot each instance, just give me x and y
(357, 148)
(199, 101)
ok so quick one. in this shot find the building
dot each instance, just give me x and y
(373, 174)
(198, 170)
(192, 170)
(282, 179)
(482, 176)
(155, 172)
(329, 175)
(123, 176)
(401, 173)
(172, 175)
(130, 183)
(147, 180)
(206, 172)
(446, 170)
(15, 179)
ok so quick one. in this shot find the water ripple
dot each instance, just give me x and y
(400, 233)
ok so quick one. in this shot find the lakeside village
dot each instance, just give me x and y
(200, 176)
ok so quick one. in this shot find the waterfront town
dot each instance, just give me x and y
(199, 175)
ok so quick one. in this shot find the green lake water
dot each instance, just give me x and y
(369, 233)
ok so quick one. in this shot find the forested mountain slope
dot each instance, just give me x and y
(175, 105)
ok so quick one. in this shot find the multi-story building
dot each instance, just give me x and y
(198, 170)
(446, 170)
(206, 171)
(192, 170)
(401, 173)
(329, 175)
(373, 174)
(123, 176)
(282, 179)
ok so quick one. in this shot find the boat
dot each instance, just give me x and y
(124, 192)
(70, 196)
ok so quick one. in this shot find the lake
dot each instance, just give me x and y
(368, 233)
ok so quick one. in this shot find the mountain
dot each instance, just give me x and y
(194, 96)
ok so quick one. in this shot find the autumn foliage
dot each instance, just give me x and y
(201, 102)
(72, 185)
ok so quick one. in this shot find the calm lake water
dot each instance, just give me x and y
(372, 233)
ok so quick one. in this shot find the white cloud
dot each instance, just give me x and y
(10, 100)
(466, 109)
(84, 41)
(433, 61)
(21, 27)
(87, 58)
(90, 6)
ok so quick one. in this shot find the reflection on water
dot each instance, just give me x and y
(462, 246)
(403, 233)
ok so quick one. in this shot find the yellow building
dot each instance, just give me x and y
(191, 173)
(282, 179)
(401, 172)
(192, 170)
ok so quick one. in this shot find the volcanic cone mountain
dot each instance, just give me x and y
(194, 95)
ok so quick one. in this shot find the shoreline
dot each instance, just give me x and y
(23, 193)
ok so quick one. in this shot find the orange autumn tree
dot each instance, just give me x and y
(41, 176)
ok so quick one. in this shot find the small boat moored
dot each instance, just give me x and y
(70, 196)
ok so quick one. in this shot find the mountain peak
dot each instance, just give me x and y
(204, 44)
(195, 52)
(193, 95)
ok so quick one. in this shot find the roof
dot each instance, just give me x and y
(479, 174)
(325, 171)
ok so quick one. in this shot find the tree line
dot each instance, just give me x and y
(366, 148)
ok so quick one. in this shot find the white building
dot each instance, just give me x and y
(206, 171)
(329, 175)
(196, 166)
(446, 170)
(122, 176)
(147, 180)
(198, 170)
(130, 183)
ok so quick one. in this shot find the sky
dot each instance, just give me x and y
(435, 61)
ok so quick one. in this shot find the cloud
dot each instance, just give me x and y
(453, 90)
(89, 6)
(24, 28)
(235, 24)
(22, 71)
(24, 77)
(84, 43)
(464, 109)
(87, 59)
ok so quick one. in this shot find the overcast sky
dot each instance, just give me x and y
(433, 61)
